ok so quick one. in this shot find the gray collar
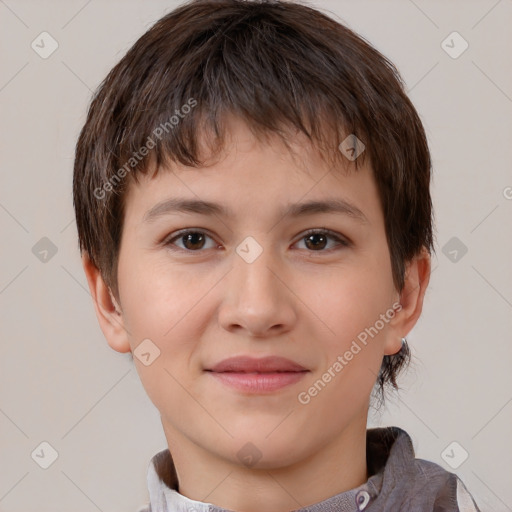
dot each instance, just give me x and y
(387, 448)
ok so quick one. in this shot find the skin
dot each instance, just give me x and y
(299, 300)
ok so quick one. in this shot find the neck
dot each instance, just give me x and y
(331, 469)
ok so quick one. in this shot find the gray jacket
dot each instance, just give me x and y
(398, 482)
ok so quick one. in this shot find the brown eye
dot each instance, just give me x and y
(316, 240)
(192, 241)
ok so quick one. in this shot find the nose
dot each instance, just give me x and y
(257, 297)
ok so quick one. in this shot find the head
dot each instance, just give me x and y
(251, 105)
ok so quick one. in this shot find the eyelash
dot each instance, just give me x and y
(316, 231)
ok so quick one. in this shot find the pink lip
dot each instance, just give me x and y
(258, 374)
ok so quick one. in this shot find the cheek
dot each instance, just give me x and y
(352, 348)
(157, 306)
(157, 297)
(351, 301)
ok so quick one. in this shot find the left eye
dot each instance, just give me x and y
(194, 240)
(317, 238)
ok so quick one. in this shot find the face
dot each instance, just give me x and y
(253, 280)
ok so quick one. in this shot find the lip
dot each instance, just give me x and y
(247, 364)
(257, 375)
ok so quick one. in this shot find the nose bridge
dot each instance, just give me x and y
(253, 263)
(257, 298)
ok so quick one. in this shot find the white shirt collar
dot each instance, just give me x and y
(164, 499)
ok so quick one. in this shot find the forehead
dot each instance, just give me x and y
(254, 171)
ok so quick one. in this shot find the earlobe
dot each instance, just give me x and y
(107, 310)
(393, 345)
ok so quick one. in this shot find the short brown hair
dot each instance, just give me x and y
(275, 64)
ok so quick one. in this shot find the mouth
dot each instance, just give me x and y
(257, 375)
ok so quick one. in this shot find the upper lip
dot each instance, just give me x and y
(246, 364)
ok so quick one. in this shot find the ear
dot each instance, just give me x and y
(108, 312)
(417, 277)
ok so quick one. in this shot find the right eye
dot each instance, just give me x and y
(193, 240)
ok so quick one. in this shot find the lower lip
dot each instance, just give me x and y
(258, 382)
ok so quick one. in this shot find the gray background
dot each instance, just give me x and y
(61, 383)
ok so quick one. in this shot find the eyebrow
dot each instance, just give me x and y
(196, 206)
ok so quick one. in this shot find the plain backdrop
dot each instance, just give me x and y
(62, 384)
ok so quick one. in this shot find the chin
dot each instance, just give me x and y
(253, 449)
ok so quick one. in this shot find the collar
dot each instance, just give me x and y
(389, 455)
